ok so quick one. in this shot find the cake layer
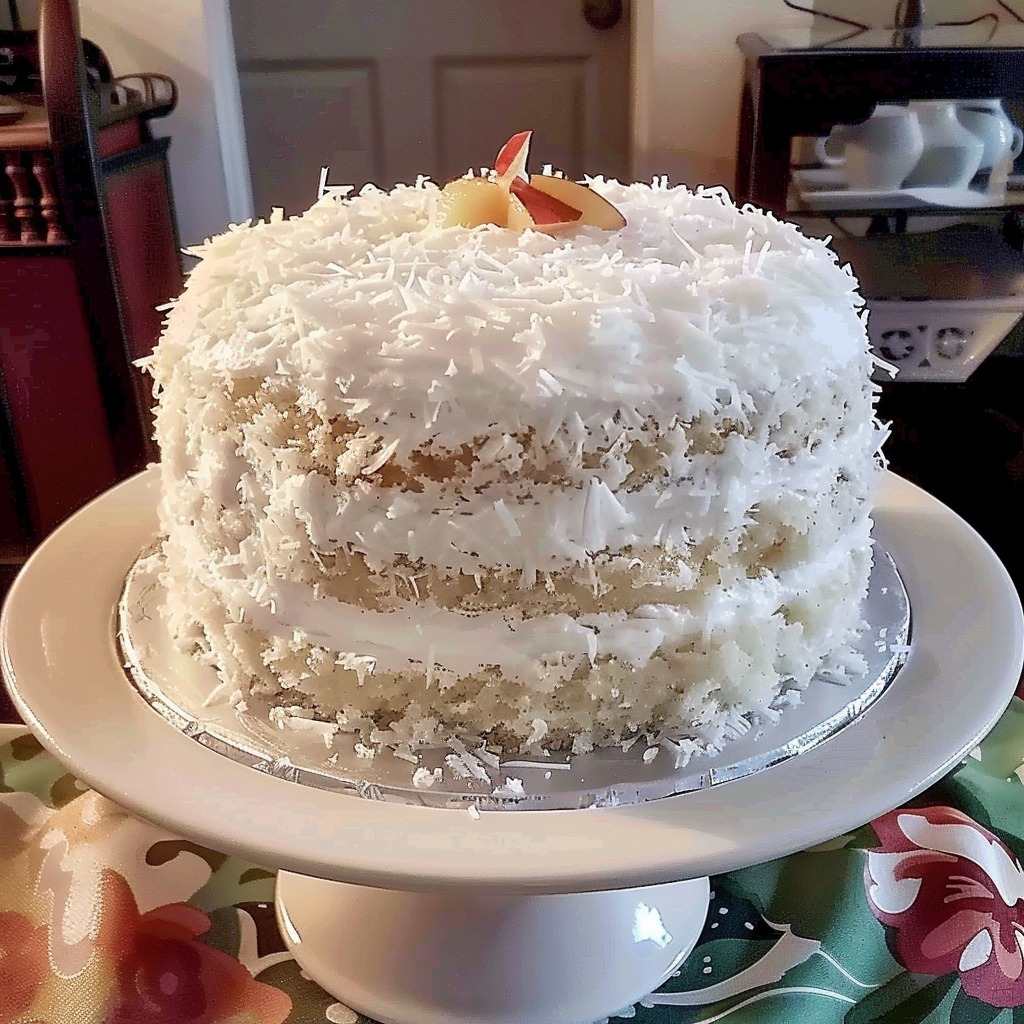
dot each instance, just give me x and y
(419, 674)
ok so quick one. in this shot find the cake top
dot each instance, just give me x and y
(420, 333)
(482, 384)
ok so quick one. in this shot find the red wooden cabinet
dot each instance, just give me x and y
(88, 251)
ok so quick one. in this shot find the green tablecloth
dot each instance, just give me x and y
(916, 917)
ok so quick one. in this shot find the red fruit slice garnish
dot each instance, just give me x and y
(510, 165)
(516, 147)
(544, 209)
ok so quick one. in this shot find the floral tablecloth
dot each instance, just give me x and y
(916, 917)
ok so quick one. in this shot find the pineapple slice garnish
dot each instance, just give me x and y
(519, 201)
(470, 202)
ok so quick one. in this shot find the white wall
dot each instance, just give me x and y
(180, 38)
(882, 12)
(689, 103)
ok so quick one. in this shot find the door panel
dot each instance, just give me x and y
(385, 91)
(328, 109)
(471, 109)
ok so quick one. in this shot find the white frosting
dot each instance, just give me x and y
(450, 457)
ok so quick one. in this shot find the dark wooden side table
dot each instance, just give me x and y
(962, 442)
(796, 85)
(88, 254)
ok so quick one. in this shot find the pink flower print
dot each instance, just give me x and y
(166, 975)
(953, 896)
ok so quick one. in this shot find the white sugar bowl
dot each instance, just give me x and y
(878, 153)
(952, 154)
(1001, 139)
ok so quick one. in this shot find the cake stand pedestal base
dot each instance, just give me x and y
(488, 958)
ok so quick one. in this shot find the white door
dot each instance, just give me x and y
(383, 90)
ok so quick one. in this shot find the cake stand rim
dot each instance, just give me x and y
(52, 632)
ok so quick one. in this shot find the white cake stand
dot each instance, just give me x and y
(494, 918)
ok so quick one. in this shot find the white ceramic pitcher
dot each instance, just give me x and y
(878, 153)
(952, 153)
(1001, 139)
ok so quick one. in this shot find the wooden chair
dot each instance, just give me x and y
(88, 251)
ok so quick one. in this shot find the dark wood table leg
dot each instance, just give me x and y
(769, 163)
(744, 148)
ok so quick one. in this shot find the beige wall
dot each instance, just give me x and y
(880, 12)
(177, 38)
(171, 37)
(690, 98)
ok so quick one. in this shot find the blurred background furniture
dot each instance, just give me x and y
(795, 85)
(944, 266)
(950, 272)
(88, 251)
